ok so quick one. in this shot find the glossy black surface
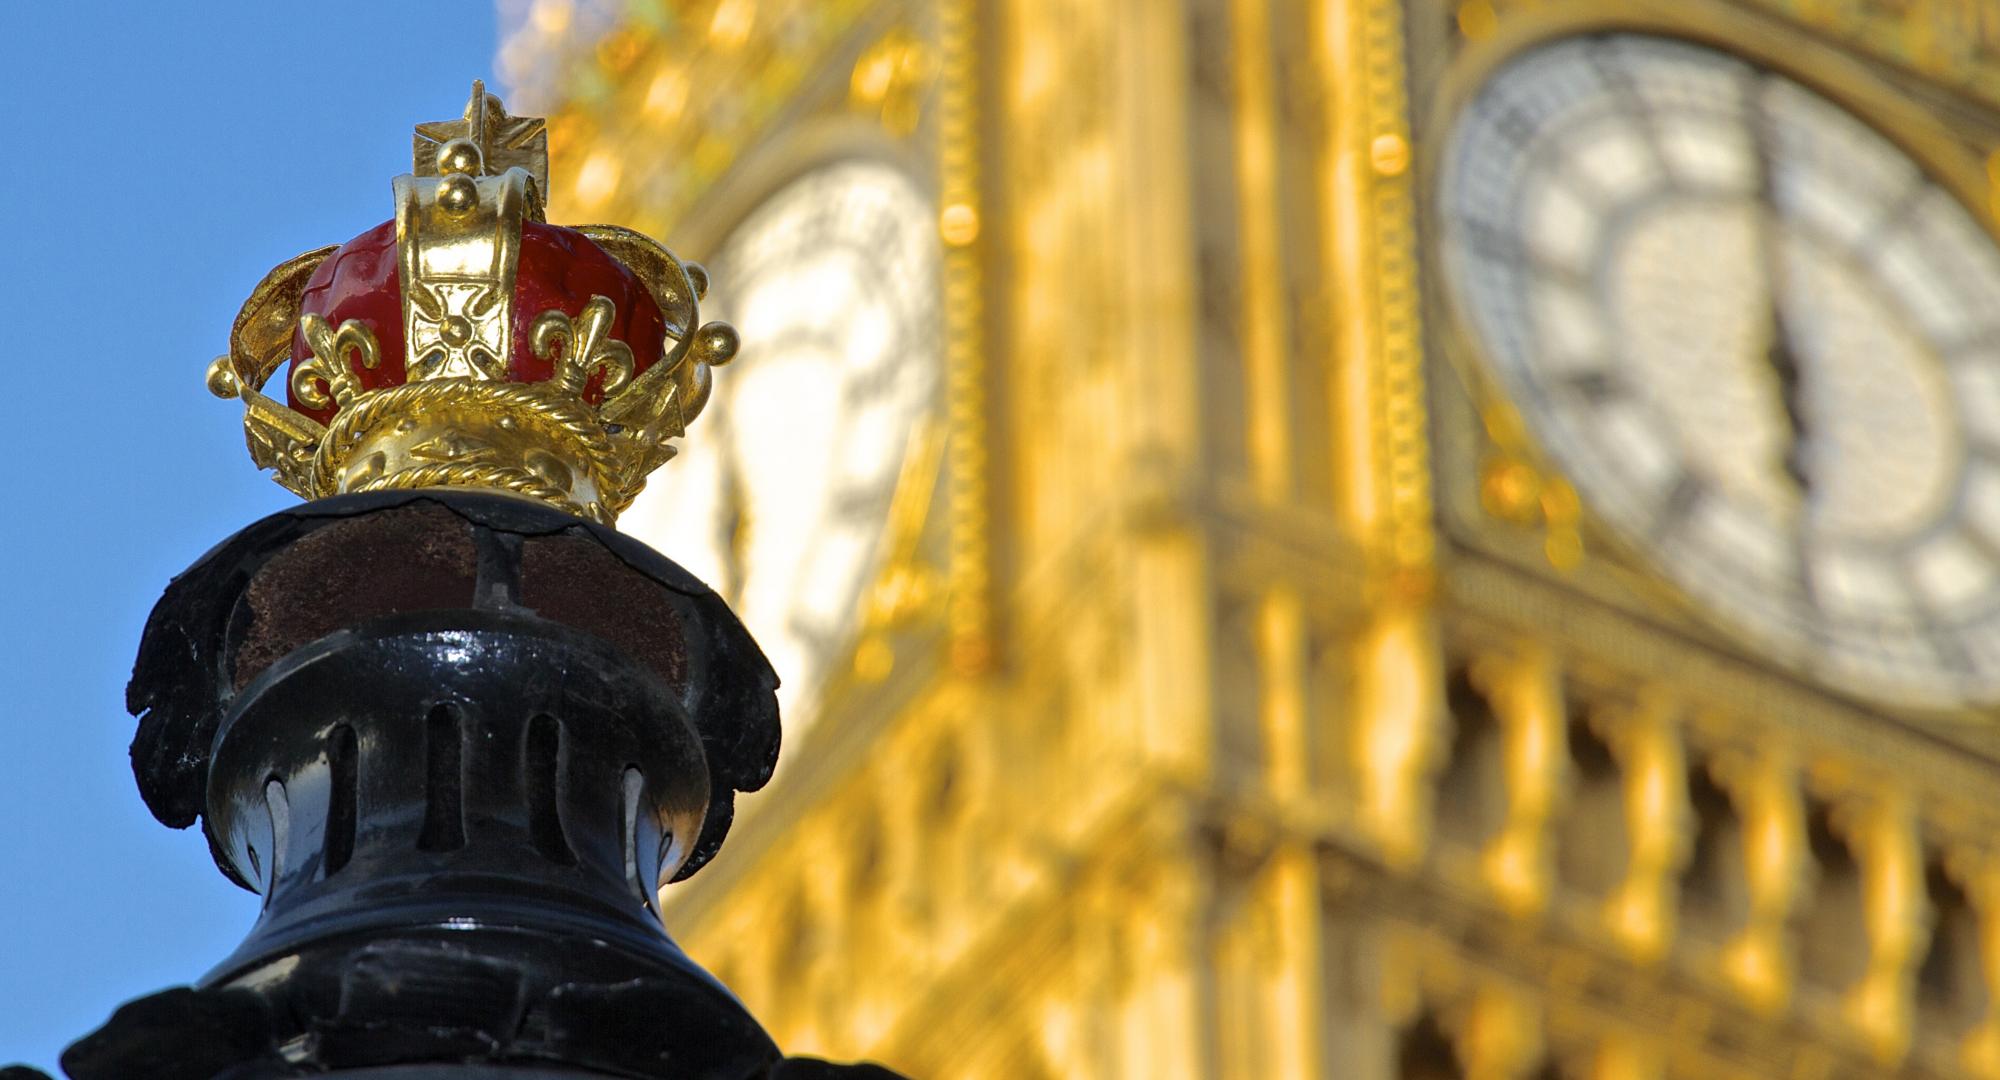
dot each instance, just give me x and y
(183, 681)
(457, 742)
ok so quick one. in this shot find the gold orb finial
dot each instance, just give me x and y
(460, 156)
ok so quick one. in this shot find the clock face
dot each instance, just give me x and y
(780, 493)
(1759, 339)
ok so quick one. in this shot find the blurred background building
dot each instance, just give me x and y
(1368, 538)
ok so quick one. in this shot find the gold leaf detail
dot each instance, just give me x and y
(586, 347)
(329, 364)
(281, 439)
(261, 339)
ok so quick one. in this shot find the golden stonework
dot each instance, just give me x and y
(425, 367)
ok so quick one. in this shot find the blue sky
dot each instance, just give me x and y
(162, 157)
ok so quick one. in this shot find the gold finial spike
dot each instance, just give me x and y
(503, 141)
(475, 113)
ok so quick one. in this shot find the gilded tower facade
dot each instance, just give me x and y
(1371, 538)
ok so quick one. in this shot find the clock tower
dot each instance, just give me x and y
(1369, 538)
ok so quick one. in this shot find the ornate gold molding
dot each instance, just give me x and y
(966, 455)
(458, 245)
(1370, 250)
(695, 109)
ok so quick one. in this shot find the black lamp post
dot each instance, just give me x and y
(455, 729)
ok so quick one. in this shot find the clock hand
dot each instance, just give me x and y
(1781, 352)
(1783, 357)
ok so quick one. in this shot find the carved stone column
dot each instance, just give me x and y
(1647, 743)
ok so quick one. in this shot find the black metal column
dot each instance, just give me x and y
(456, 741)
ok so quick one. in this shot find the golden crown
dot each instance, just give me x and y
(469, 343)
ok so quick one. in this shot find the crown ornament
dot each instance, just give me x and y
(469, 343)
